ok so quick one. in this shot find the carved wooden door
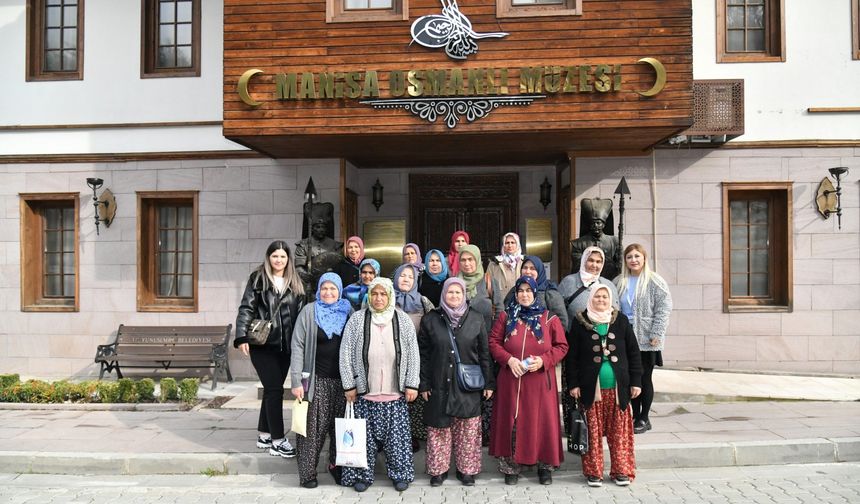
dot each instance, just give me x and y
(484, 205)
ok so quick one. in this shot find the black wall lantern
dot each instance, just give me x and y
(377, 194)
(106, 201)
(545, 193)
(829, 200)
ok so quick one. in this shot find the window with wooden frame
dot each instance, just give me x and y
(750, 31)
(55, 40)
(855, 29)
(49, 251)
(534, 8)
(346, 11)
(170, 45)
(167, 251)
(757, 246)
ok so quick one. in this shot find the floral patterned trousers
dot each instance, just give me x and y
(464, 435)
(605, 418)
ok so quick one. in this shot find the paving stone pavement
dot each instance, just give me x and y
(835, 483)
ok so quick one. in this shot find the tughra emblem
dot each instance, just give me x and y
(451, 30)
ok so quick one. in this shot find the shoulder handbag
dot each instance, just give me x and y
(573, 296)
(259, 329)
(469, 376)
(578, 440)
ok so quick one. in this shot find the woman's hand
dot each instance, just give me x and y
(488, 394)
(244, 347)
(516, 367)
(298, 392)
(350, 395)
(411, 395)
(535, 363)
(575, 392)
(426, 395)
(655, 342)
(634, 392)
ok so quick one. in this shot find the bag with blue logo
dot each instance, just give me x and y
(351, 439)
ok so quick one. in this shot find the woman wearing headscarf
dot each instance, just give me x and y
(316, 364)
(353, 253)
(412, 255)
(416, 306)
(574, 290)
(527, 342)
(274, 293)
(453, 415)
(356, 293)
(647, 303)
(458, 240)
(547, 291)
(504, 270)
(434, 276)
(379, 364)
(604, 371)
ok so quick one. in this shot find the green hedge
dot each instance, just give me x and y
(124, 390)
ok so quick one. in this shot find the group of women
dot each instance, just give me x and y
(447, 352)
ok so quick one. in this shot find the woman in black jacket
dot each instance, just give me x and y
(604, 372)
(452, 415)
(274, 285)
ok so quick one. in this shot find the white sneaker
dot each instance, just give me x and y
(284, 449)
(263, 443)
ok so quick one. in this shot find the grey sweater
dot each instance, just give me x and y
(570, 284)
(353, 354)
(304, 349)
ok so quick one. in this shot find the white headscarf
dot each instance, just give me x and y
(599, 317)
(384, 316)
(511, 260)
(589, 278)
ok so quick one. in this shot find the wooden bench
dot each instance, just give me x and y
(166, 347)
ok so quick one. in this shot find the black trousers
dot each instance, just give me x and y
(642, 404)
(272, 367)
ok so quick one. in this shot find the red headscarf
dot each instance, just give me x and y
(453, 255)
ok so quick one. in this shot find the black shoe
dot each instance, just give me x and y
(401, 486)
(438, 479)
(511, 479)
(284, 449)
(310, 484)
(415, 445)
(641, 426)
(336, 473)
(621, 479)
(545, 476)
(467, 479)
(594, 481)
(360, 486)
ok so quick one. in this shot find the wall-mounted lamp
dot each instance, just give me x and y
(377, 195)
(545, 193)
(106, 200)
(829, 200)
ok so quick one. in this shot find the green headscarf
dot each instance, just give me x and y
(475, 278)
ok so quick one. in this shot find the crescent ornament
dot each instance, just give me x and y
(660, 70)
(242, 87)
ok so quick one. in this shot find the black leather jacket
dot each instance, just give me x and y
(257, 303)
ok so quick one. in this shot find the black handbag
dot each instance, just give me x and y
(469, 376)
(578, 440)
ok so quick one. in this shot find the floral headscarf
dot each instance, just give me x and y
(543, 283)
(383, 316)
(472, 280)
(455, 313)
(408, 301)
(454, 254)
(511, 260)
(530, 315)
(442, 275)
(331, 317)
(589, 278)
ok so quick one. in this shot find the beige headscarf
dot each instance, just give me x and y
(589, 278)
(384, 316)
(596, 316)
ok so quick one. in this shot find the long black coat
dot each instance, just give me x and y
(347, 271)
(258, 303)
(438, 366)
(584, 358)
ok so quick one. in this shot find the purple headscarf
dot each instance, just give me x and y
(454, 312)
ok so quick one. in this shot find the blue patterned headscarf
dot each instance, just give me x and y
(408, 301)
(356, 292)
(543, 283)
(530, 315)
(331, 318)
(442, 275)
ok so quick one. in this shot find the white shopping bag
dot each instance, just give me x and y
(351, 439)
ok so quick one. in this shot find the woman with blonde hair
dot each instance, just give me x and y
(274, 293)
(647, 302)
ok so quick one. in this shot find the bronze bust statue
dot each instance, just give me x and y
(595, 219)
(317, 252)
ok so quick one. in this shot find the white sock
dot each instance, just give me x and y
(265, 435)
(277, 442)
